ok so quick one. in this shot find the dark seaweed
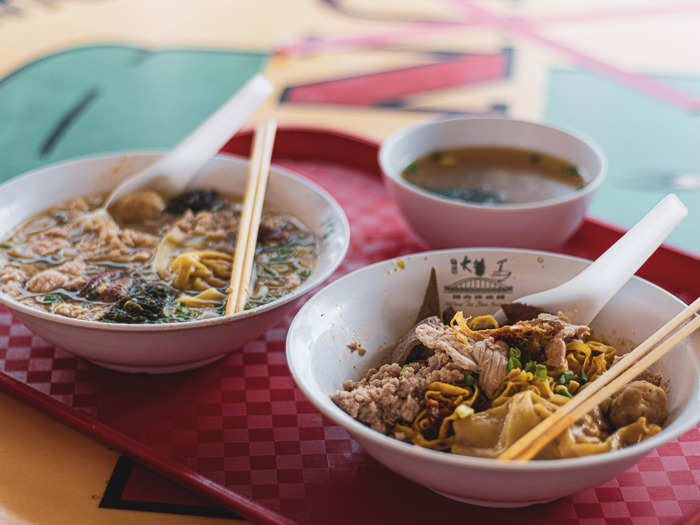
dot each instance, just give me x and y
(196, 200)
(477, 195)
(143, 303)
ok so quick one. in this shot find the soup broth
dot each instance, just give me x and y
(152, 261)
(494, 175)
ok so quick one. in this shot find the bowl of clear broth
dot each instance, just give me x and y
(143, 288)
(491, 181)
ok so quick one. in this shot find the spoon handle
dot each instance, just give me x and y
(173, 171)
(585, 295)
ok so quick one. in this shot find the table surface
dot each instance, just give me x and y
(80, 77)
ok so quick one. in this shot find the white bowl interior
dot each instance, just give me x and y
(376, 305)
(40, 189)
(413, 142)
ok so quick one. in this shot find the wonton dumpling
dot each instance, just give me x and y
(491, 432)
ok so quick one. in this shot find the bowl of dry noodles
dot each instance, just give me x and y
(405, 355)
(143, 288)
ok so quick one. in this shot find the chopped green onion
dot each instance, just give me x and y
(284, 258)
(561, 379)
(268, 270)
(404, 367)
(284, 250)
(411, 168)
(514, 352)
(561, 389)
(530, 366)
(469, 380)
(5, 246)
(463, 411)
(304, 274)
(541, 372)
(583, 377)
(513, 363)
(572, 170)
(569, 375)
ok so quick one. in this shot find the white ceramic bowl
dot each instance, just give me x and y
(160, 348)
(379, 303)
(447, 223)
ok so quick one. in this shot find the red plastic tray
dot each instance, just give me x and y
(239, 432)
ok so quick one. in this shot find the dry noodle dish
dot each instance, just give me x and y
(469, 386)
(153, 261)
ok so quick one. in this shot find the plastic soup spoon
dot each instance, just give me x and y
(581, 298)
(174, 170)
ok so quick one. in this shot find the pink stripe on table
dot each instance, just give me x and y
(527, 30)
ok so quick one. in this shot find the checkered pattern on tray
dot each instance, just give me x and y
(242, 423)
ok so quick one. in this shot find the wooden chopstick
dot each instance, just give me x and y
(259, 169)
(621, 373)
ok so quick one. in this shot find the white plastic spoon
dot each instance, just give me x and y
(174, 170)
(582, 297)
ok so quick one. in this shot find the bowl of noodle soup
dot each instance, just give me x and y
(149, 296)
(351, 332)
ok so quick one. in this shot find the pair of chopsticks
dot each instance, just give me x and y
(621, 373)
(259, 169)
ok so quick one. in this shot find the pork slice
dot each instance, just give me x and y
(555, 351)
(112, 291)
(544, 326)
(491, 357)
(546, 332)
(441, 336)
(410, 340)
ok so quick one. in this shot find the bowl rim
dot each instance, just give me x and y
(308, 285)
(356, 428)
(402, 133)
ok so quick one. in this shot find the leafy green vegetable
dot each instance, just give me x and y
(183, 314)
(411, 168)
(436, 156)
(143, 303)
(541, 372)
(5, 246)
(514, 352)
(53, 298)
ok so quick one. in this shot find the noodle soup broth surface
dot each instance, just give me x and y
(494, 175)
(172, 265)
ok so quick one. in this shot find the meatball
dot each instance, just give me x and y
(138, 206)
(638, 399)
